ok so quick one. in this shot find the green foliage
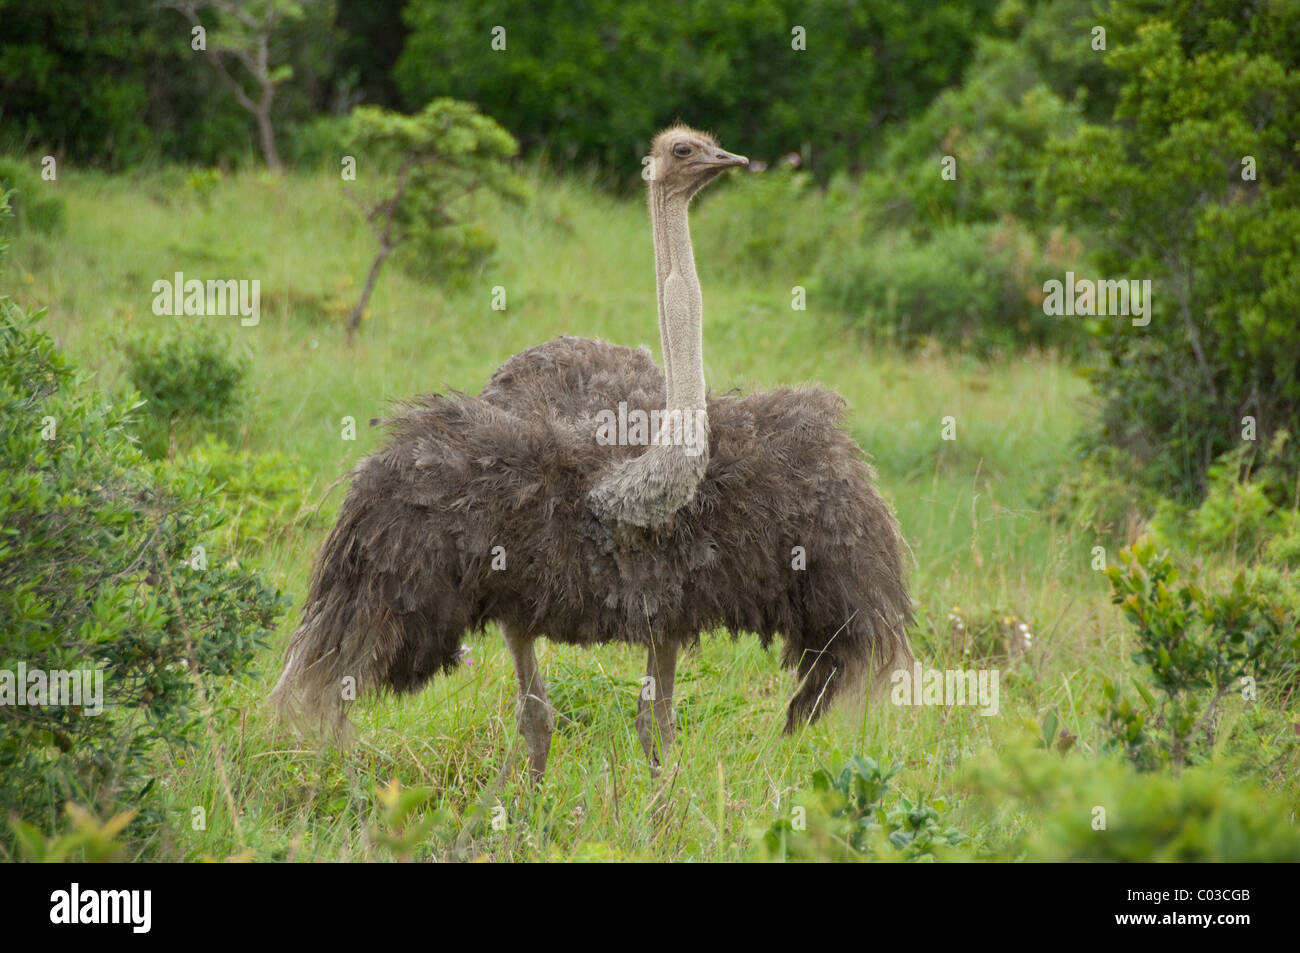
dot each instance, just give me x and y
(1249, 512)
(629, 68)
(406, 822)
(111, 83)
(994, 126)
(420, 172)
(1098, 494)
(852, 815)
(1167, 194)
(190, 380)
(34, 203)
(203, 182)
(1200, 816)
(1195, 647)
(319, 141)
(260, 494)
(93, 539)
(778, 218)
(977, 285)
(90, 839)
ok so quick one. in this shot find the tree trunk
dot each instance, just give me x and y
(267, 136)
(354, 319)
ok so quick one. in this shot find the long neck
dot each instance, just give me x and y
(681, 305)
(646, 490)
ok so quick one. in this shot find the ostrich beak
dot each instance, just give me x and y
(725, 159)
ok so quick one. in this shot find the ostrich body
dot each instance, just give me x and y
(527, 506)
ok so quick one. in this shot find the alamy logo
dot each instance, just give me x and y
(228, 296)
(949, 687)
(133, 907)
(36, 686)
(637, 428)
(1083, 296)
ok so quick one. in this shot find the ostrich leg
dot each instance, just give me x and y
(654, 706)
(534, 717)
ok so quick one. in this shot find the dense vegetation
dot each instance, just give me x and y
(1111, 521)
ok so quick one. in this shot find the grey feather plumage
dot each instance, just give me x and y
(407, 572)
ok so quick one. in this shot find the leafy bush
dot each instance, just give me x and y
(190, 379)
(1194, 186)
(777, 219)
(994, 126)
(1101, 496)
(34, 203)
(1195, 647)
(1249, 511)
(258, 493)
(979, 285)
(320, 141)
(847, 818)
(95, 542)
(1200, 816)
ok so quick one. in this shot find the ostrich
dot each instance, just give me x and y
(548, 505)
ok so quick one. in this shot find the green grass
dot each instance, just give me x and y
(578, 262)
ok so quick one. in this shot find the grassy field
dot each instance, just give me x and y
(575, 261)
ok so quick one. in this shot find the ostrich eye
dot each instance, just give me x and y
(681, 150)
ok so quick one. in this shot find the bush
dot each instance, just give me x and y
(1100, 496)
(776, 219)
(95, 574)
(34, 203)
(320, 141)
(1249, 512)
(190, 380)
(994, 126)
(976, 285)
(259, 493)
(1195, 647)
(846, 818)
(1201, 816)
(1168, 193)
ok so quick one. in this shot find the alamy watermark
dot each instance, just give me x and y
(225, 296)
(936, 686)
(62, 687)
(639, 428)
(1083, 296)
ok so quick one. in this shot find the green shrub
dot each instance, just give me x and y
(1167, 192)
(1194, 648)
(33, 201)
(1084, 809)
(994, 126)
(259, 493)
(320, 141)
(1249, 511)
(851, 814)
(96, 572)
(976, 285)
(1100, 496)
(777, 219)
(729, 65)
(425, 169)
(190, 379)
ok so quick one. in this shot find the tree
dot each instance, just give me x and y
(243, 33)
(424, 166)
(1194, 185)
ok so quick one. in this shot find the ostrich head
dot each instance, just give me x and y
(684, 161)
